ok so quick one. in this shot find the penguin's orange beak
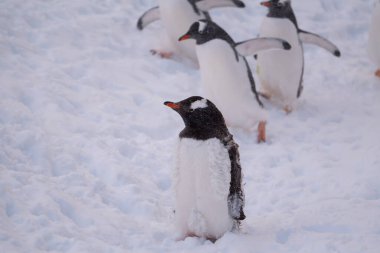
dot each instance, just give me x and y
(184, 37)
(266, 4)
(174, 106)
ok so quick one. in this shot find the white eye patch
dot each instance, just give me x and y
(202, 26)
(283, 1)
(199, 104)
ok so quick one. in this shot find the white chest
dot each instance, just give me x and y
(280, 28)
(225, 82)
(280, 71)
(202, 182)
(218, 64)
(177, 15)
(206, 164)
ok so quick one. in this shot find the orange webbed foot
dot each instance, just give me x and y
(261, 132)
(288, 109)
(377, 73)
(162, 54)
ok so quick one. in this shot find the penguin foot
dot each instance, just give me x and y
(162, 54)
(261, 136)
(288, 109)
(377, 73)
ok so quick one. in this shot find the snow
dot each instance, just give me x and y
(87, 147)
(374, 35)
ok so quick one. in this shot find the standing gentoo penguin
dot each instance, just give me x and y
(177, 16)
(374, 38)
(226, 77)
(209, 195)
(281, 72)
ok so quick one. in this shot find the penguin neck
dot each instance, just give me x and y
(288, 13)
(204, 133)
(222, 35)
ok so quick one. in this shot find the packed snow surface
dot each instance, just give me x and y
(87, 147)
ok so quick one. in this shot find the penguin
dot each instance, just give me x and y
(374, 38)
(177, 16)
(281, 72)
(209, 198)
(226, 76)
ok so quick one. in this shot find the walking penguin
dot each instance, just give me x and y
(177, 16)
(281, 72)
(209, 195)
(227, 79)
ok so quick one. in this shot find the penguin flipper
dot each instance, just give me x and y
(253, 46)
(236, 194)
(311, 38)
(205, 5)
(148, 17)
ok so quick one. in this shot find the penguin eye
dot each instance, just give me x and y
(191, 110)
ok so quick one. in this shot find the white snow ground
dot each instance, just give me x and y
(87, 146)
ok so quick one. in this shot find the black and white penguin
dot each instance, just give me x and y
(374, 38)
(209, 195)
(281, 72)
(177, 16)
(226, 76)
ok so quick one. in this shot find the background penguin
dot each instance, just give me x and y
(226, 77)
(177, 16)
(281, 72)
(209, 195)
(374, 38)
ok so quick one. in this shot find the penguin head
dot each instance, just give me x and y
(276, 4)
(200, 115)
(205, 30)
(278, 8)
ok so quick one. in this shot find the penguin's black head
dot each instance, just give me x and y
(277, 4)
(205, 30)
(201, 117)
(279, 8)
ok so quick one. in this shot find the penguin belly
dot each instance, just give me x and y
(280, 72)
(225, 82)
(202, 182)
(177, 16)
(374, 36)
